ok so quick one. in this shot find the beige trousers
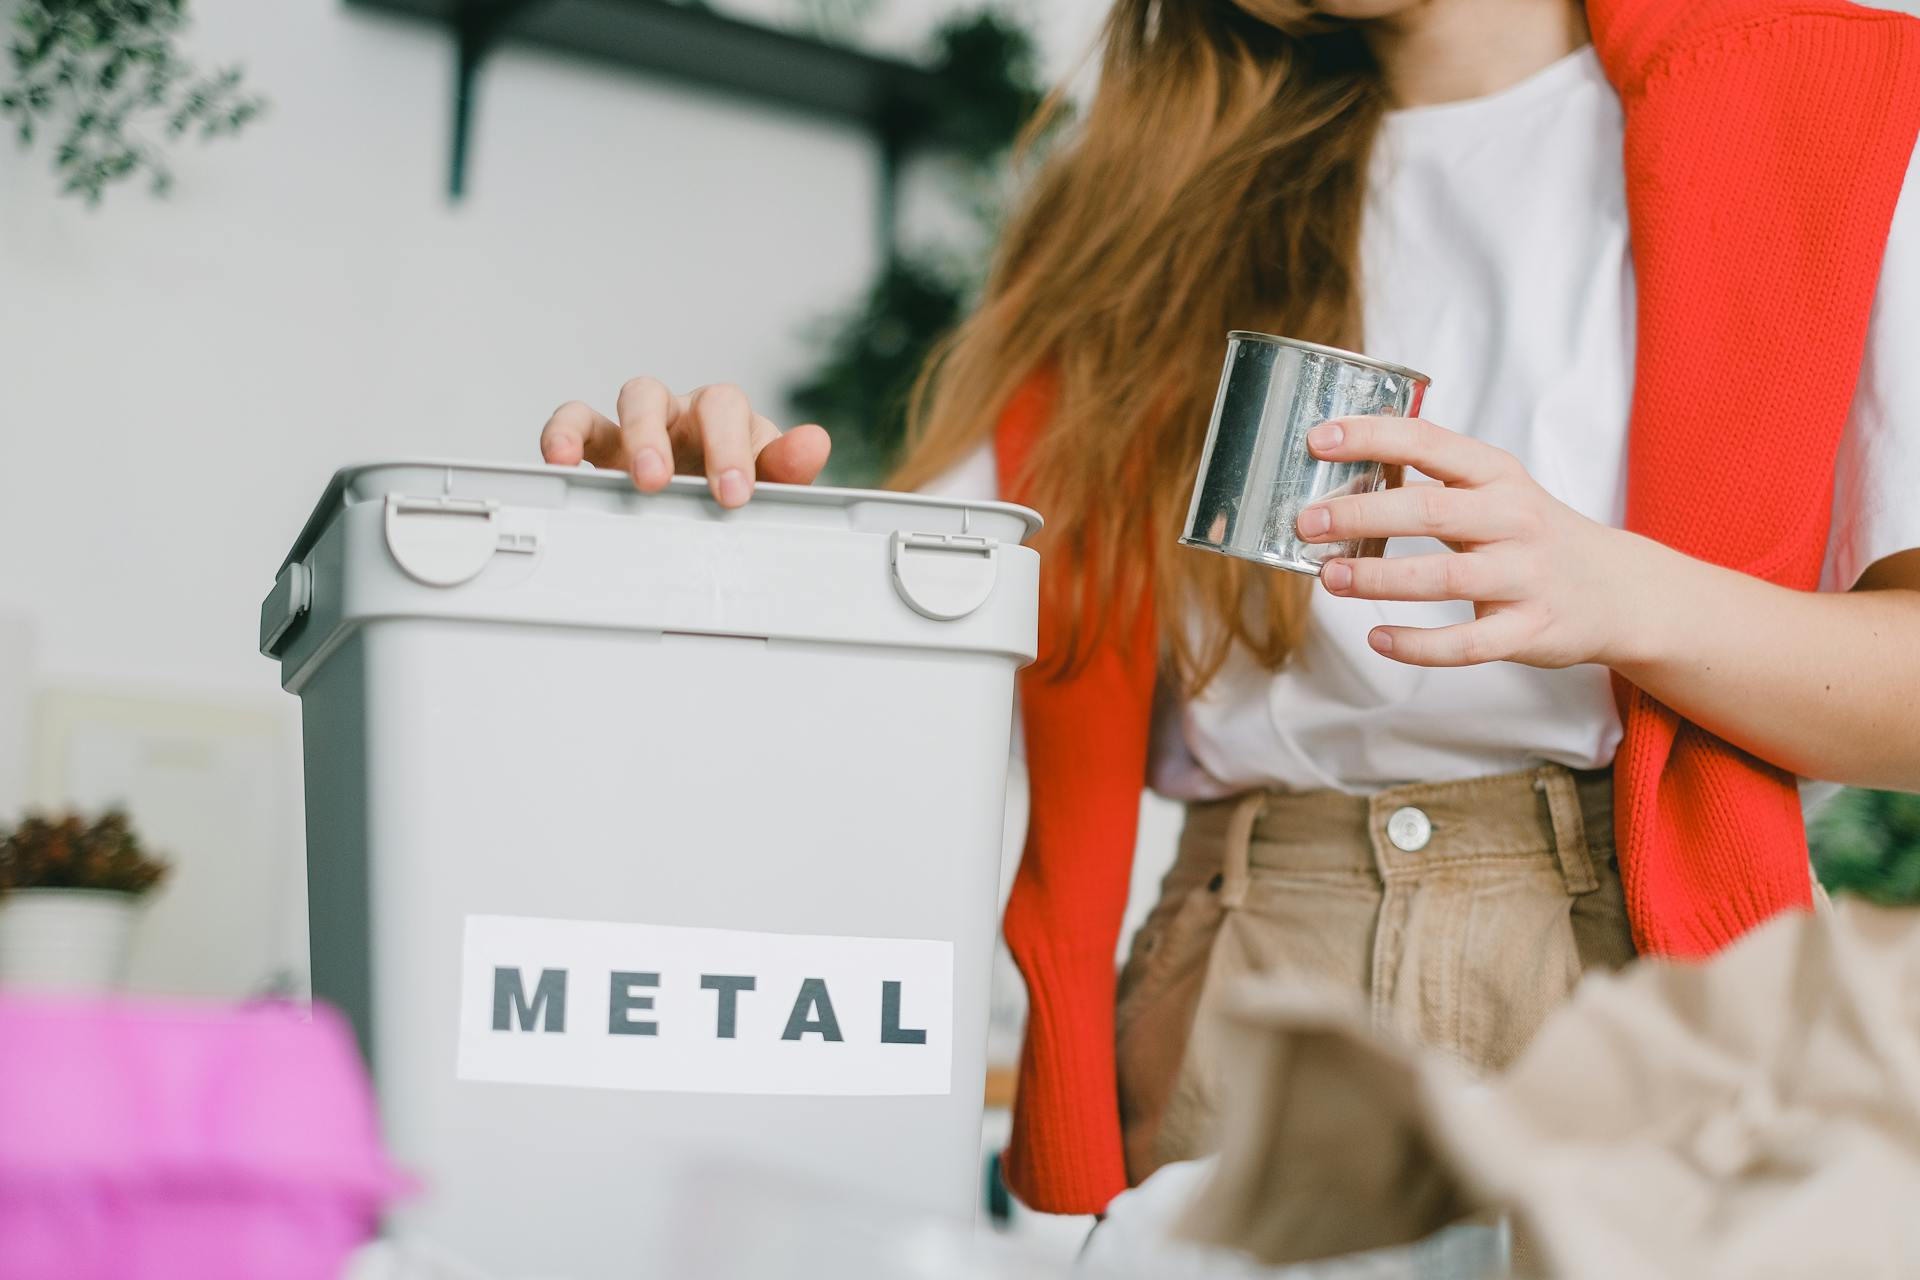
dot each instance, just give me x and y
(1462, 913)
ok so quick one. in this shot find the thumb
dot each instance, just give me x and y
(795, 457)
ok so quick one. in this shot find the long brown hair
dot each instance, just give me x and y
(1215, 183)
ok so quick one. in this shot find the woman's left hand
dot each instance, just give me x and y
(1548, 585)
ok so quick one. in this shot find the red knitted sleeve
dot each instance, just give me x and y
(1086, 751)
(1766, 145)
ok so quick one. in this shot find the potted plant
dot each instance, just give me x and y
(69, 891)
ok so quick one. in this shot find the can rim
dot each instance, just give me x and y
(1339, 353)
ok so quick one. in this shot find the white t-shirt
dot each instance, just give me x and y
(1495, 259)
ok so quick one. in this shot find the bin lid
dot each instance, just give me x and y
(532, 485)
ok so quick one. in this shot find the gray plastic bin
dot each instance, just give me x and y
(640, 830)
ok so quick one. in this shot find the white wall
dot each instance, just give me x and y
(178, 377)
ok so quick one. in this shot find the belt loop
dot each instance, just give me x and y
(1234, 856)
(1569, 827)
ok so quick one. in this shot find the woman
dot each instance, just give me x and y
(1562, 720)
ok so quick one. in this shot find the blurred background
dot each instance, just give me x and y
(789, 194)
(243, 244)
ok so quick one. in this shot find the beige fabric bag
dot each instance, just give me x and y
(1755, 1116)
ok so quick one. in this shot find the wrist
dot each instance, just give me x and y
(1646, 596)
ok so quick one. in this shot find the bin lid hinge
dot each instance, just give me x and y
(291, 597)
(943, 576)
(444, 541)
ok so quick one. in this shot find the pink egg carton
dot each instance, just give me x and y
(145, 1140)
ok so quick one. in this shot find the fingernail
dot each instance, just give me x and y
(1337, 574)
(734, 489)
(1327, 435)
(649, 467)
(1313, 522)
(1382, 640)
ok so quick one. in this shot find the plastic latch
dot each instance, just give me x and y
(441, 541)
(943, 576)
(292, 596)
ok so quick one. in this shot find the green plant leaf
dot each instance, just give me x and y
(869, 355)
(110, 73)
(1868, 843)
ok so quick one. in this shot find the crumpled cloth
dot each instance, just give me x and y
(1756, 1115)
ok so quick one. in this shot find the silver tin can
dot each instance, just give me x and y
(1256, 473)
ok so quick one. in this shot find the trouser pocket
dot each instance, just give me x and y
(1179, 989)
(1519, 945)
(1159, 996)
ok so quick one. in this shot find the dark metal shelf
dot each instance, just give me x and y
(892, 99)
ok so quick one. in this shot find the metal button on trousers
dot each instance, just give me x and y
(1409, 829)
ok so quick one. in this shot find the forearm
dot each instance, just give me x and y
(1823, 684)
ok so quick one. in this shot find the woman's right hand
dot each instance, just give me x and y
(712, 431)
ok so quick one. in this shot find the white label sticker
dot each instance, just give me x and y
(597, 1004)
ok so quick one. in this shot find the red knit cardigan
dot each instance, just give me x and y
(1766, 144)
